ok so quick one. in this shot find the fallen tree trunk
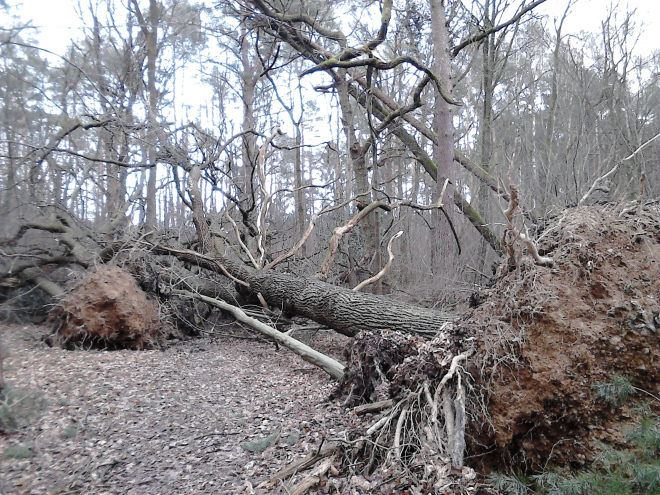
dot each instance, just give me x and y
(344, 310)
(333, 368)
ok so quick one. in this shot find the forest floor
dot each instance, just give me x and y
(182, 420)
(220, 415)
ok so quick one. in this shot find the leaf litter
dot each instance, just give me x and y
(213, 415)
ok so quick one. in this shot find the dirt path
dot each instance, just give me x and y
(159, 422)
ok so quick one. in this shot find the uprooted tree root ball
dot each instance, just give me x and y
(421, 388)
(107, 310)
(517, 377)
(548, 336)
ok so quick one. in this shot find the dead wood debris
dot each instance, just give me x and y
(413, 437)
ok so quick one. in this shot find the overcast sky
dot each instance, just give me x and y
(58, 21)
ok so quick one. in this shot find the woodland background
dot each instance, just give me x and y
(97, 136)
(186, 167)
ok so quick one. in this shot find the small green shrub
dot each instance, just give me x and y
(635, 471)
(70, 431)
(18, 407)
(17, 452)
(261, 444)
(646, 436)
(616, 391)
(509, 484)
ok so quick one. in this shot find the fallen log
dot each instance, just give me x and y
(333, 368)
(373, 407)
(342, 309)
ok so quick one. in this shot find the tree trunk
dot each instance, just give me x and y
(443, 150)
(342, 309)
(198, 213)
(149, 27)
(299, 194)
(358, 152)
(339, 308)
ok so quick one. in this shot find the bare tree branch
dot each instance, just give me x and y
(487, 32)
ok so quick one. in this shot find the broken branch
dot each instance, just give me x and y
(385, 269)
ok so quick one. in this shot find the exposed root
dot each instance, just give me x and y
(108, 310)
(421, 438)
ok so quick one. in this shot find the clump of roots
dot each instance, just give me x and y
(417, 392)
(107, 310)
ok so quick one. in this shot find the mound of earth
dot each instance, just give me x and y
(548, 336)
(108, 310)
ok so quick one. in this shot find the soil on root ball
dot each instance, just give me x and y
(107, 310)
(548, 336)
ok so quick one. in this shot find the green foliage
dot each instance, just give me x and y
(615, 391)
(615, 472)
(556, 484)
(18, 407)
(646, 436)
(261, 444)
(17, 452)
(70, 431)
(509, 484)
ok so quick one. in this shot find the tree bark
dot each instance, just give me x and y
(443, 149)
(344, 310)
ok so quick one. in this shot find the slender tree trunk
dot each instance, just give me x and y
(152, 54)
(486, 134)
(198, 212)
(9, 184)
(443, 151)
(358, 152)
(299, 194)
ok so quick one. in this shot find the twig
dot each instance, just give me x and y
(262, 300)
(310, 227)
(238, 236)
(379, 424)
(597, 182)
(373, 407)
(267, 198)
(338, 234)
(385, 269)
(333, 245)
